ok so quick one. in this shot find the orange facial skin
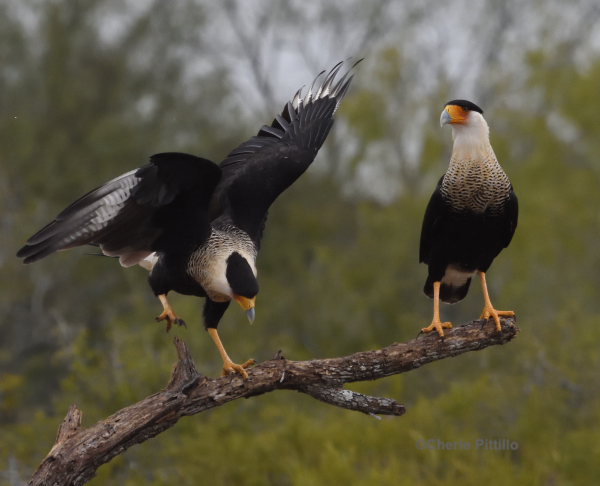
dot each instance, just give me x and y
(244, 302)
(458, 115)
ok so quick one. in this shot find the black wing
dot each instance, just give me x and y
(436, 209)
(162, 206)
(259, 170)
(511, 212)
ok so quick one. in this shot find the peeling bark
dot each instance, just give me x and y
(78, 452)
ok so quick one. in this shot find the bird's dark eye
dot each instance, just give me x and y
(464, 108)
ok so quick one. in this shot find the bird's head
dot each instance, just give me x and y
(467, 122)
(243, 283)
(460, 112)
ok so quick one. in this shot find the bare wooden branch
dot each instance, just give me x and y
(79, 452)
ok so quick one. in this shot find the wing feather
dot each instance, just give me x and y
(511, 211)
(162, 206)
(259, 170)
(435, 211)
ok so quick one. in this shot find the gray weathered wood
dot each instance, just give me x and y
(79, 452)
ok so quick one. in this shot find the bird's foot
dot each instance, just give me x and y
(489, 311)
(438, 326)
(171, 318)
(230, 368)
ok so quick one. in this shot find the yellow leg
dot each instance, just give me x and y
(229, 367)
(168, 314)
(436, 323)
(488, 310)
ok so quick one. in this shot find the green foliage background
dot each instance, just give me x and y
(338, 271)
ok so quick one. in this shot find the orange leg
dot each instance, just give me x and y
(436, 323)
(229, 367)
(168, 314)
(488, 310)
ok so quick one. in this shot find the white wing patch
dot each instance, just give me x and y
(109, 206)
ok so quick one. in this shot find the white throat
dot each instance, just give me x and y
(472, 138)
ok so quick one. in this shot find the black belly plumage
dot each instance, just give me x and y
(179, 209)
(471, 216)
(464, 244)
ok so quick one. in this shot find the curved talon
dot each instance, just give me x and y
(171, 318)
(230, 368)
(438, 326)
(168, 314)
(489, 311)
(436, 323)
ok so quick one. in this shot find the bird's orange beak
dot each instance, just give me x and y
(454, 115)
(247, 305)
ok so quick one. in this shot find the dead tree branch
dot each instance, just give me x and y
(79, 452)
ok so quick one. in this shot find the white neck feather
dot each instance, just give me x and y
(472, 138)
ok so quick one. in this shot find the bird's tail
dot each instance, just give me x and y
(449, 293)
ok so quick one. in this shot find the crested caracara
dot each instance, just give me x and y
(470, 218)
(196, 226)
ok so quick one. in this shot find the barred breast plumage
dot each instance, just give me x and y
(476, 184)
(207, 264)
(195, 225)
(470, 218)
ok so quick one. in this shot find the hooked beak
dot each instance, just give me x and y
(445, 118)
(247, 305)
(454, 115)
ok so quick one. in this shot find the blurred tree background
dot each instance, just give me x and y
(91, 89)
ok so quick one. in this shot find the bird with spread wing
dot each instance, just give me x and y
(196, 226)
(471, 216)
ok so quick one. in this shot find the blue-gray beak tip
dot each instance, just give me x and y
(445, 118)
(250, 313)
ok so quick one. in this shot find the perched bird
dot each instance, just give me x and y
(470, 218)
(196, 226)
